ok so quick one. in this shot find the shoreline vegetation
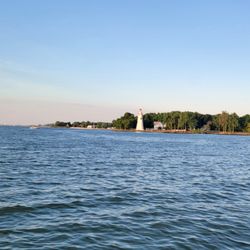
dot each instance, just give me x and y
(176, 131)
(172, 122)
(183, 132)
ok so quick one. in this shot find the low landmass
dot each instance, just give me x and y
(172, 122)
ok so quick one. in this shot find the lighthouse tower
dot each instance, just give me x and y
(139, 125)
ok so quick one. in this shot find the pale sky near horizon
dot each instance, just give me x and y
(94, 60)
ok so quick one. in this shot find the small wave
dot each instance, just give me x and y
(58, 205)
(15, 209)
(28, 209)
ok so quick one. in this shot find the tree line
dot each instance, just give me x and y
(83, 124)
(188, 121)
(175, 120)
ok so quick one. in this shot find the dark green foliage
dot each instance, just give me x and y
(175, 120)
(148, 121)
(103, 125)
(193, 121)
(82, 124)
(62, 124)
(244, 123)
(128, 121)
(76, 124)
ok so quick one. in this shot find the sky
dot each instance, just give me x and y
(94, 60)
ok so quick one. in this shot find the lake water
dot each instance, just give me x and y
(80, 189)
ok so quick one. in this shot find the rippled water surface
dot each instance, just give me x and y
(80, 189)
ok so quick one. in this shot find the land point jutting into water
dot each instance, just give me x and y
(171, 122)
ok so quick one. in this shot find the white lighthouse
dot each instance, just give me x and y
(139, 125)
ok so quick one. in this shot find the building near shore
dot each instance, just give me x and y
(91, 126)
(158, 125)
(139, 125)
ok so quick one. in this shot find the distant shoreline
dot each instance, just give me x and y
(175, 131)
(183, 132)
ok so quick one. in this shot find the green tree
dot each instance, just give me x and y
(182, 121)
(223, 121)
(243, 122)
(127, 121)
(62, 124)
(176, 117)
(247, 128)
(148, 121)
(169, 121)
(192, 120)
(215, 123)
(76, 124)
(233, 122)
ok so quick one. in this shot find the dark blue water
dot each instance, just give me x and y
(78, 189)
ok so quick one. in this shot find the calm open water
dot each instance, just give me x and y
(79, 189)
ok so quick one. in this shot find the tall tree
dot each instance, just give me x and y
(223, 121)
(233, 122)
(127, 121)
(183, 119)
(148, 121)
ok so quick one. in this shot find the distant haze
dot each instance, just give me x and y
(23, 112)
(40, 112)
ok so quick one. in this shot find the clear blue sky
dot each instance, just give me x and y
(113, 56)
